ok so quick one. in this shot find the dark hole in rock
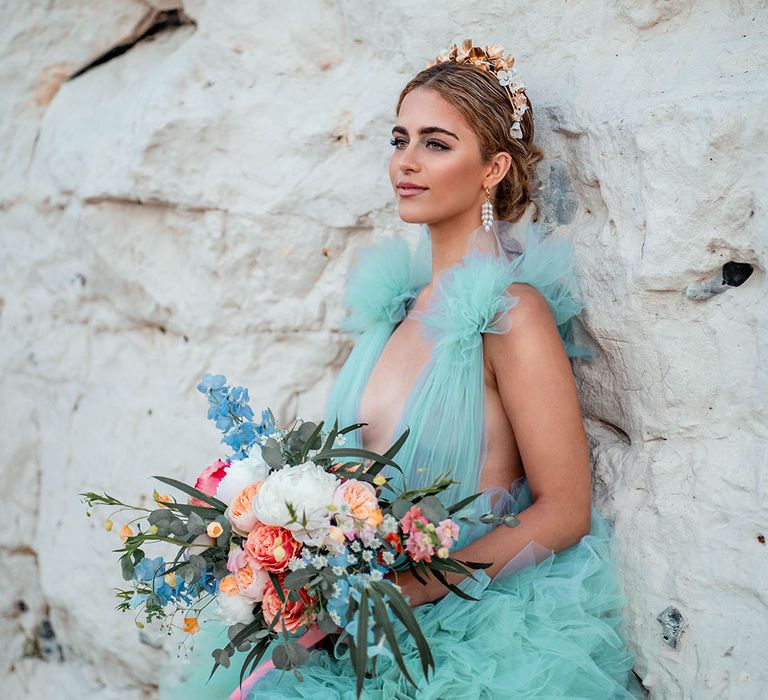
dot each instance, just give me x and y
(736, 273)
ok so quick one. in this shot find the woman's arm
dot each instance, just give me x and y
(539, 396)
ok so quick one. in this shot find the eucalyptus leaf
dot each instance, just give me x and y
(280, 658)
(195, 524)
(159, 515)
(126, 566)
(222, 657)
(432, 509)
(234, 630)
(177, 527)
(400, 507)
(272, 453)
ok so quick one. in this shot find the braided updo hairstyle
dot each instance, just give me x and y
(485, 106)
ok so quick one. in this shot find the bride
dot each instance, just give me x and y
(466, 342)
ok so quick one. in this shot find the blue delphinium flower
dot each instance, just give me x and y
(149, 569)
(212, 383)
(241, 439)
(238, 402)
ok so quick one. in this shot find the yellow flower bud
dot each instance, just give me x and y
(379, 480)
(139, 624)
(152, 530)
(108, 525)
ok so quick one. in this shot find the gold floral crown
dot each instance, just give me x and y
(492, 60)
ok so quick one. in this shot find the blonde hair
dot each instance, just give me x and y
(485, 106)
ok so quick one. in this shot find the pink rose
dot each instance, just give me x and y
(209, 480)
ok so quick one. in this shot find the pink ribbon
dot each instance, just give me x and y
(308, 639)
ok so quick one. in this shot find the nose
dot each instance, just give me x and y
(408, 161)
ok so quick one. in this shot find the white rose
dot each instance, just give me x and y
(233, 608)
(242, 473)
(309, 490)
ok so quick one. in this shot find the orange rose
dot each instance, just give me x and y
(293, 614)
(271, 547)
(240, 512)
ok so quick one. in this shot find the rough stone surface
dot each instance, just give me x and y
(183, 186)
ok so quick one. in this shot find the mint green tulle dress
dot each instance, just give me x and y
(549, 625)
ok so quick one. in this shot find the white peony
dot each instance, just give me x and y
(242, 473)
(307, 487)
(233, 608)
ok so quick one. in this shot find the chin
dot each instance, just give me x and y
(413, 215)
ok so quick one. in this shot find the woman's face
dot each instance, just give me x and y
(436, 169)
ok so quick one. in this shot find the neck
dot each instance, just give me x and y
(450, 241)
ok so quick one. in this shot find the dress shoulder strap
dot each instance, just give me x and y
(384, 279)
(472, 298)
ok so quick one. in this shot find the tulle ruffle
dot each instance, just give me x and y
(549, 630)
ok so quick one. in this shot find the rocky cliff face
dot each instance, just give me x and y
(183, 187)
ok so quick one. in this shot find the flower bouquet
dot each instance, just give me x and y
(292, 533)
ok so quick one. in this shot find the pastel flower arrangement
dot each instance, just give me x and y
(292, 534)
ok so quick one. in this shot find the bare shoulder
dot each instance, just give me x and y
(532, 329)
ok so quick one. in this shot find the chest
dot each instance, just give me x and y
(391, 382)
(393, 379)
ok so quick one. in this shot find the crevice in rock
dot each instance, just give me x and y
(158, 203)
(613, 428)
(154, 22)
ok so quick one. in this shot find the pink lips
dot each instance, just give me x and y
(409, 189)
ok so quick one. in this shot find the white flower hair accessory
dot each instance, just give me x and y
(493, 60)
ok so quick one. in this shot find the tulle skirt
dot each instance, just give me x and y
(550, 625)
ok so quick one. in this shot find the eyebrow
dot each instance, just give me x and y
(425, 130)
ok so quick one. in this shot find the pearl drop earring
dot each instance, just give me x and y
(487, 211)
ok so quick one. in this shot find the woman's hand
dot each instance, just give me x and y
(416, 592)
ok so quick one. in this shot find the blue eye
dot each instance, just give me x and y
(398, 142)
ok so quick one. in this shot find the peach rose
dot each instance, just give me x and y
(271, 547)
(240, 512)
(293, 614)
(251, 582)
(228, 585)
(359, 496)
